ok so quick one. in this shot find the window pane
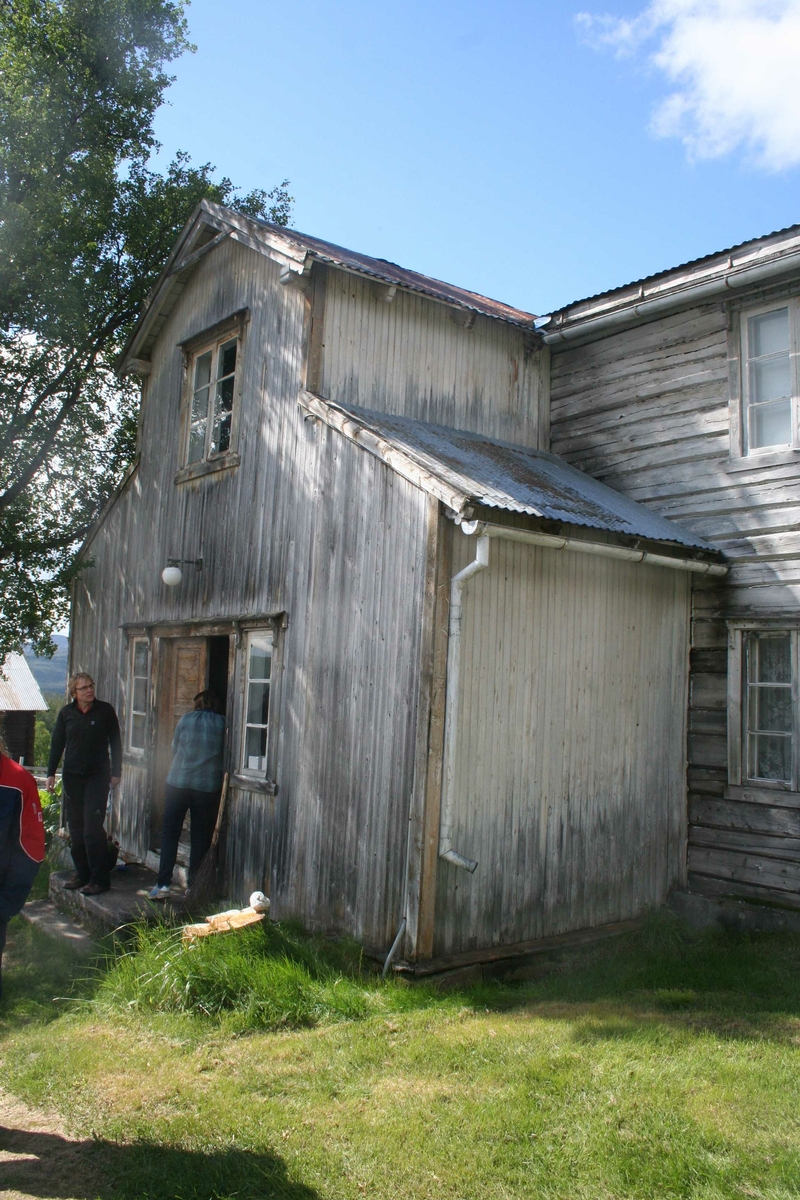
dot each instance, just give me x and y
(140, 658)
(769, 333)
(257, 703)
(771, 424)
(771, 757)
(769, 379)
(138, 732)
(227, 359)
(221, 440)
(770, 658)
(200, 404)
(255, 754)
(770, 710)
(224, 401)
(202, 371)
(197, 441)
(260, 657)
(139, 704)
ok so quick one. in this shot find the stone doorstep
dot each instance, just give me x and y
(125, 902)
(44, 915)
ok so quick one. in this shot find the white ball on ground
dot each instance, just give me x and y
(259, 902)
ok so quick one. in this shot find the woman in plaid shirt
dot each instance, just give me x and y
(193, 785)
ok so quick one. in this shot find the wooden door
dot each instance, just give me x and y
(182, 673)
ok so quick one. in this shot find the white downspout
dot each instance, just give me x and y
(479, 563)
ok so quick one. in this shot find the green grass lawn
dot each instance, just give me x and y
(661, 1065)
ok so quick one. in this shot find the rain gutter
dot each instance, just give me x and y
(485, 532)
(732, 279)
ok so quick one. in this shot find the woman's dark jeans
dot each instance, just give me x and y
(202, 808)
(85, 801)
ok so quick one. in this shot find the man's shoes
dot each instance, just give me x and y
(94, 889)
(159, 893)
(73, 882)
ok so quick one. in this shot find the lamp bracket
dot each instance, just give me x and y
(176, 562)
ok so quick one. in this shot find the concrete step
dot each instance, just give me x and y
(50, 920)
(124, 903)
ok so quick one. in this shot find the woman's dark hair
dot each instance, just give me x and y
(207, 700)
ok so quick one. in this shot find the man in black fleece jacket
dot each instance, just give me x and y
(85, 731)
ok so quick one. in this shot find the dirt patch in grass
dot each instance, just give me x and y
(40, 1160)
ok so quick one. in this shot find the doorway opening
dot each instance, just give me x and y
(186, 666)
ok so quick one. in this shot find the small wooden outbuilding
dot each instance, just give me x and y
(454, 668)
(20, 700)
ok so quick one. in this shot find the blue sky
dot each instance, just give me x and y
(533, 150)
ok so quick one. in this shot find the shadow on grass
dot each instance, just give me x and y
(730, 984)
(42, 975)
(53, 1166)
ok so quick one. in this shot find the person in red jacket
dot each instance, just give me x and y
(21, 842)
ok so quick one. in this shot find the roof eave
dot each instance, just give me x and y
(723, 280)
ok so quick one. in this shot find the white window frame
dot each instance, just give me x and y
(213, 348)
(139, 751)
(792, 303)
(232, 328)
(738, 749)
(261, 772)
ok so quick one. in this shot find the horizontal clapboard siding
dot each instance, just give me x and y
(648, 411)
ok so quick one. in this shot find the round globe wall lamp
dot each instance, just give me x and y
(172, 574)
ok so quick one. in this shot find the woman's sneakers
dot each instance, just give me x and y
(159, 893)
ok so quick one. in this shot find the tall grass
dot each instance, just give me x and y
(269, 977)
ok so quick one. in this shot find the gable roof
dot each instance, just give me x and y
(295, 252)
(464, 469)
(19, 691)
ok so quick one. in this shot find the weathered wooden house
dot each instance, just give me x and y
(682, 392)
(454, 667)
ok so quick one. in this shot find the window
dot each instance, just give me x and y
(769, 379)
(139, 689)
(209, 410)
(764, 729)
(769, 706)
(256, 700)
(213, 380)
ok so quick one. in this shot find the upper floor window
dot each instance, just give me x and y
(212, 383)
(213, 373)
(769, 379)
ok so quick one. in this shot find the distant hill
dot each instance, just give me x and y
(50, 673)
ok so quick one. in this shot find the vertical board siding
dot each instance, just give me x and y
(128, 819)
(648, 411)
(416, 359)
(570, 781)
(307, 525)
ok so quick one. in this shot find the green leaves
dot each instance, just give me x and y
(85, 228)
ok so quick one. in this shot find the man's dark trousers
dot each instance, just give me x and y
(85, 800)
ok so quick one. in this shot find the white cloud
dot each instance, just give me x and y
(735, 68)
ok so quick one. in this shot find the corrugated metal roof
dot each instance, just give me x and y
(693, 263)
(19, 691)
(503, 476)
(391, 273)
